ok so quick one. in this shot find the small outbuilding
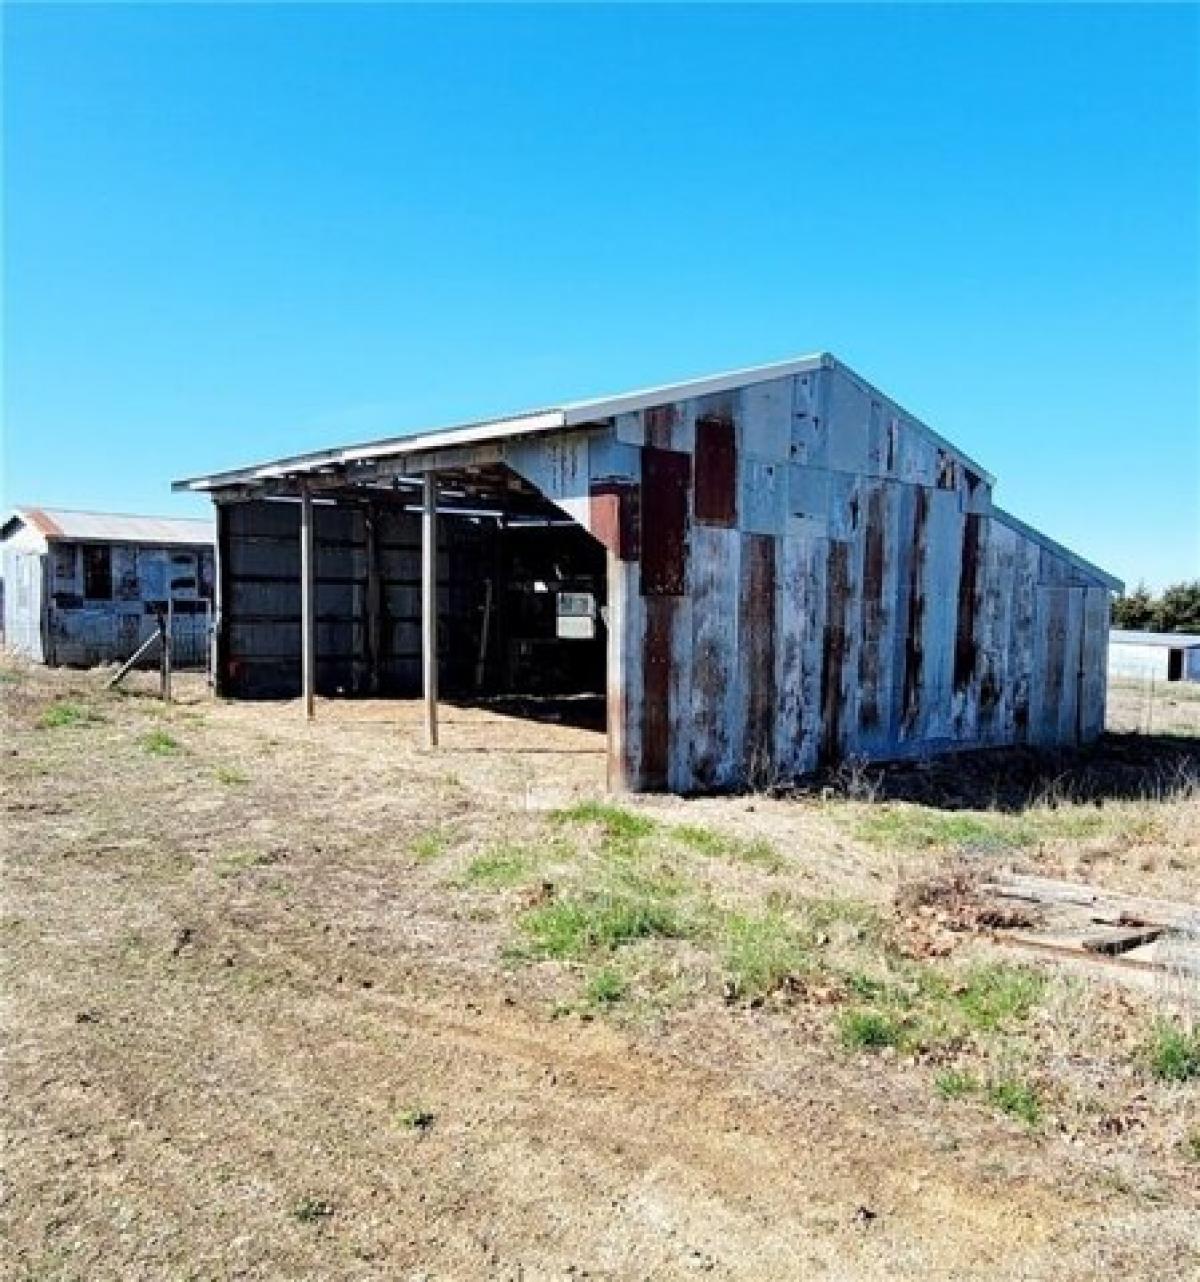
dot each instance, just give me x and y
(1158, 656)
(754, 573)
(84, 588)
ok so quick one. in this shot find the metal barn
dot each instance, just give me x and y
(1157, 656)
(82, 588)
(756, 573)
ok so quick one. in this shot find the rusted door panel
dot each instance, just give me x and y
(716, 472)
(666, 481)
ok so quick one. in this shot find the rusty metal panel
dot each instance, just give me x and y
(679, 763)
(966, 644)
(837, 642)
(656, 689)
(810, 428)
(756, 628)
(666, 482)
(614, 517)
(716, 472)
(873, 655)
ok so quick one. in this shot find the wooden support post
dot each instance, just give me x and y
(374, 599)
(308, 606)
(429, 628)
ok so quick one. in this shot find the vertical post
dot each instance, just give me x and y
(429, 628)
(308, 604)
(168, 645)
(374, 597)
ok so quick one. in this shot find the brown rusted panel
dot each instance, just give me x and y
(913, 645)
(837, 602)
(656, 686)
(966, 648)
(44, 524)
(659, 422)
(757, 627)
(666, 478)
(870, 655)
(716, 471)
(613, 517)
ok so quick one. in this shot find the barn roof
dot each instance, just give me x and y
(1170, 640)
(110, 527)
(557, 418)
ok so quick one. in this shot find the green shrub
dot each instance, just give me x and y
(606, 987)
(1017, 1099)
(866, 1029)
(1173, 1053)
(158, 743)
(956, 1084)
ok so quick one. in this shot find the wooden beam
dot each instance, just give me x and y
(429, 628)
(374, 598)
(308, 607)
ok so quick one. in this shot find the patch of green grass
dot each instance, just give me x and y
(903, 826)
(231, 775)
(1173, 1053)
(415, 1118)
(616, 822)
(762, 952)
(427, 846)
(871, 1030)
(1191, 1147)
(11, 677)
(956, 1084)
(1016, 1098)
(158, 743)
(720, 845)
(312, 1210)
(64, 713)
(572, 928)
(502, 866)
(606, 987)
(994, 995)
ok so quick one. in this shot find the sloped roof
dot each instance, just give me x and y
(1170, 640)
(112, 527)
(556, 418)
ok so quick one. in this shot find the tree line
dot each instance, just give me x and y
(1176, 610)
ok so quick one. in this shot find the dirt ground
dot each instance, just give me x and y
(289, 1000)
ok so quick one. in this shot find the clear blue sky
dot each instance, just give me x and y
(235, 232)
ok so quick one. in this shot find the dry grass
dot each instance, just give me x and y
(304, 1001)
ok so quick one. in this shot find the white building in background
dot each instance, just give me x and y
(1161, 656)
(84, 588)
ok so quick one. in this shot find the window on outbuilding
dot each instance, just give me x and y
(97, 573)
(1175, 665)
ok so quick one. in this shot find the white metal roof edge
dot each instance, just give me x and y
(571, 414)
(1163, 640)
(1109, 581)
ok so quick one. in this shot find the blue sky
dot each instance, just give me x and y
(234, 232)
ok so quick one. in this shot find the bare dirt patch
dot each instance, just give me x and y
(286, 1000)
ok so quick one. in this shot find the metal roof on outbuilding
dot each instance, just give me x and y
(1169, 640)
(111, 527)
(571, 414)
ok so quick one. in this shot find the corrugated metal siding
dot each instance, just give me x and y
(830, 580)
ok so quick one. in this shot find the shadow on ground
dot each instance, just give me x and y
(1117, 767)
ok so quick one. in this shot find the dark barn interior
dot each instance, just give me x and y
(521, 598)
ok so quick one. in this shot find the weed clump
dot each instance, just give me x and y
(64, 713)
(158, 743)
(570, 929)
(1173, 1053)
